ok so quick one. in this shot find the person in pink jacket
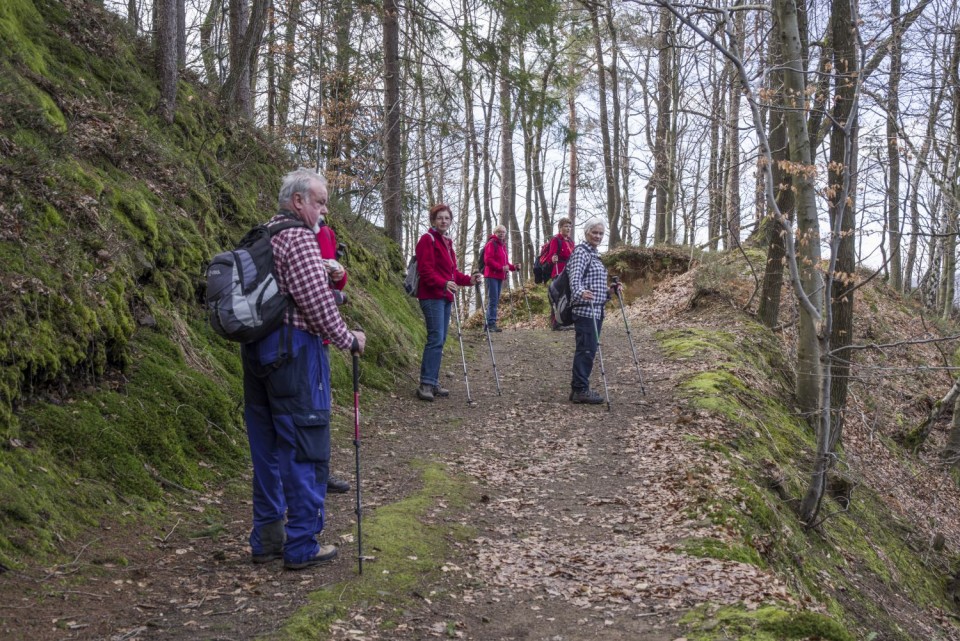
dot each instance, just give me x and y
(495, 266)
(439, 278)
(559, 252)
(330, 250)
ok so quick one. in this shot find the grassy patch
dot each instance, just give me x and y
(409, 540)
(766, 623)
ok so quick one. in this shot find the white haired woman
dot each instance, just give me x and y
(589, 293)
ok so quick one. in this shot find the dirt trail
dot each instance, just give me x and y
(579, 519)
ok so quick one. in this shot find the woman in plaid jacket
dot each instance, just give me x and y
(589, 293)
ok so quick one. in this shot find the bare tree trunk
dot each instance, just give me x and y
(844, 139)
(166, 56)
(715, 171)
(661, 151)
(181, 34)
(733, 146)
(607, 152)
(392, 180)
(769, 310)
(508, 170)
(616, 212)
(246, 30)
(207, 49)
(285, 81)
(951, 189)
(893, 150)
(574, 159)
(808, 352)
(133, 16)
(951, 450)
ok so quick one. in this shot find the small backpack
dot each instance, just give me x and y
(543, 268)
(561, 298)
(411, 281)
(480, 264)
(243, 299)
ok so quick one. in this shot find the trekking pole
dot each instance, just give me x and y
(603, 373)
(356, 447)
(463, 356)
(525, 299)
(636, 360)
(486, 328)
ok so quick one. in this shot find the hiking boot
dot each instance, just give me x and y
(495, 329)
(425, 392)
(586, 396)
(441, 392)
(272, 536)
(325, 554)
(266, 557)
(336, 485)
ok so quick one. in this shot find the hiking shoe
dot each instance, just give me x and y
(495, 329)
(425, 392)
(336, 485)
(325, 554)
(266, 557)
(586, 396)
(441, 392)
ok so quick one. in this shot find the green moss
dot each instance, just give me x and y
(766, 623)
(19, 20)
(714, 549)
(409, 544)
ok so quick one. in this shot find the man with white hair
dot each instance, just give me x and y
(589, 293)
(286, 388)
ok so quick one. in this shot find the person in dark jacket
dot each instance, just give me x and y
(561, 247)
(589, 293)
(495, 266)
(439, 279)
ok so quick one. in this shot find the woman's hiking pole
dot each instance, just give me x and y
(603, 373)
(463, 356)
(486, 328)
(623, 311)
(356, 447)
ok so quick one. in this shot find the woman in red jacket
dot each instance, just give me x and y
(561, 247)
(495, 266)
(439, 278)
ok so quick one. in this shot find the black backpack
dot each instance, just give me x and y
(561, 298)
(480, 264)
(243, 299)
(543, 267)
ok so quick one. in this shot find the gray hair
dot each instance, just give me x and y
(298, 181)
(498, 228)
(596, 221)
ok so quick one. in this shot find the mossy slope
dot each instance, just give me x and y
(111, 383)
(859, 565)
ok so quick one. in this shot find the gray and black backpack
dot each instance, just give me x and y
(243, 299)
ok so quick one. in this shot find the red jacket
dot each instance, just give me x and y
(495, 263)
(437, 264)
(328, 249)
(562, 248)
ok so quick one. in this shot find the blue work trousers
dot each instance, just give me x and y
(588, 338)
(494, 287)
(287, 411)
(436, 314)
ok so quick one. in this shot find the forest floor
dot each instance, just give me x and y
(557, 521)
